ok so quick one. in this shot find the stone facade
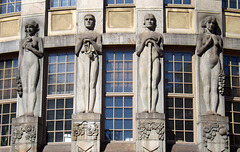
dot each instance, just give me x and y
(176, 27)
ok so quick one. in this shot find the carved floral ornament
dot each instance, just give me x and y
(88, 128)
(145, 129)
(210, 132)
(28, 129)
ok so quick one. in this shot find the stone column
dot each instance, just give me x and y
(212, 125)
(28, 133)
(86, 132)
(213, 133)
(150, 132)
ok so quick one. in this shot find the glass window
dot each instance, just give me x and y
(8, 72)
(60, 109)
(119, 1)
(10, 6)
(61, 73)
(119, 108)
(178, 72)
(179, 108)
(232, 91)
(62, 3)
(234, 4)
(177, 1)
(59, 119)
(7, 112)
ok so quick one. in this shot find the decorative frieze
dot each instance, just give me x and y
(145, 129)
(19, 131)
(211, 131)
(85, 128)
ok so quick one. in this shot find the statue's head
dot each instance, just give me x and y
(89, 21)
(150, 21)
(210, 24)
(31, 28)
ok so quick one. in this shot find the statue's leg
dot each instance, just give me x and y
(93, 82)
(156, 74)
(143, 75)
(214, 88)
(24, 102)
(81, 103)
(205, 80)
(33, 79)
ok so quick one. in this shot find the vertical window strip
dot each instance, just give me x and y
(119, 107)
(59, 108)
(119, 1)
(7, 112)
(232, 91)
(179, 114)
(61, 73)
(234, 4)
(177, 1)
(10, 6)
(178, 72)
(8, 85)
(62, 3)
(59, 119)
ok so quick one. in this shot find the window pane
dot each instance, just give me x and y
(110, 1)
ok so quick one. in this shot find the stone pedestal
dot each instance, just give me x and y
(27, 134)
(213, 133)
(85, 132)
(150, 132)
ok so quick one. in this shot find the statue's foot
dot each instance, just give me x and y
(211, 113)
(30, 114)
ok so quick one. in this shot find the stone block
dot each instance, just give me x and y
(213, 133)
(9, 29)
(120, 20)
(27, 134)
(150, 132)
(85, 132)
(179, 20)
(62, 22)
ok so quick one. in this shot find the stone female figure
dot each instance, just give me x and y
(88, 48)
(209, 49)
(30, 52)
(149, 49)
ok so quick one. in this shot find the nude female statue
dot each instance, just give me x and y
(30, 52)
(149, 49)
(209, 50)
(88, 49)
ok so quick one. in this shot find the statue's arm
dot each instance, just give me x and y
(202, 48)
(140, 46)
(159, 46)
(78, 46)
(97, 45)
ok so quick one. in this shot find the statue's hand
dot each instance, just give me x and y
(86, 40)
(149, 41)
(29, 46)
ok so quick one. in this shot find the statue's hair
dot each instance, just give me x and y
(35, 24)
(207, 19)
(150, 15)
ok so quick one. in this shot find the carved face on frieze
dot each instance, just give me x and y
(89, 21)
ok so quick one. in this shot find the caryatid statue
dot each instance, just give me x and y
(30, 53)
(209, 51)
(149, 49)
(88, 48)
